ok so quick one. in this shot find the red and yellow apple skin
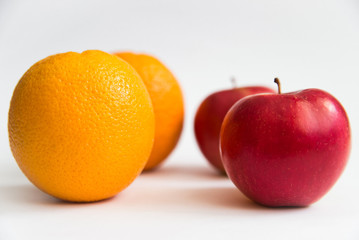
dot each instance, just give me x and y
(209, 117)
(286, 149)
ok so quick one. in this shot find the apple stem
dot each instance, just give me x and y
(276, 80)
(234, 82)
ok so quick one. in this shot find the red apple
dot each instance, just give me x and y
(209, 117)
(285, 149)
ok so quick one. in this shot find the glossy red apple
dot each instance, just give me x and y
(209, 117)
(285, 149)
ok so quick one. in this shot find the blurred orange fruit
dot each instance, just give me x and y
(81, 126)
(167, 100)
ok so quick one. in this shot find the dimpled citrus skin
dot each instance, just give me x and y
(167, 100)
(81, 126)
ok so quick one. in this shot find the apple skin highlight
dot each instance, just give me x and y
(286, 149)
(209, 118)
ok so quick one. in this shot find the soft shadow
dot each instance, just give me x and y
(16, 192)
(224, 197)
(231, 197)
(20, 197)
(203, 187)
(28, 193)
(185, 172)
(205, 198)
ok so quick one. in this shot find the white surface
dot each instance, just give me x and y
(305, 43)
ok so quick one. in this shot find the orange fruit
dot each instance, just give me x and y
(81, 126)
(167, 103)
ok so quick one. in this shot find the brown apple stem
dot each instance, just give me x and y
(276, 80)
(234, 82)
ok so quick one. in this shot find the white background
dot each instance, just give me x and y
(306, 43)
